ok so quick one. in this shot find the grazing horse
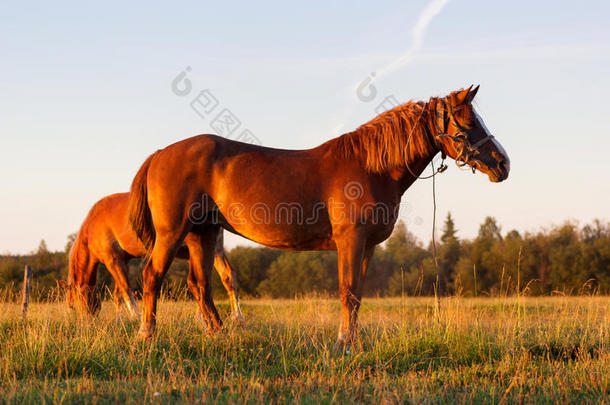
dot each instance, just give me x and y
(342, 195)
(106, 237)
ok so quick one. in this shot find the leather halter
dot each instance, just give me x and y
(468, 150)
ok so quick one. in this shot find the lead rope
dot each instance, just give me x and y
(442, 168)
(437, 298)
(464, 158)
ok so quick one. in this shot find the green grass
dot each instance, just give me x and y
(483, 350)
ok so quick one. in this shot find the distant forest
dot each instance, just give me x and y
(564, 259)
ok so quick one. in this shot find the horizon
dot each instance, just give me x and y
(88, 94)
(425, 244)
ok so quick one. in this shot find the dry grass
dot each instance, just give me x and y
(535, 350)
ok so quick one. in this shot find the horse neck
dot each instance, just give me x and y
(407, 175)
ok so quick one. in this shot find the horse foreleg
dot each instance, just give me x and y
(351, 254)
(227, 276)
(118, 299)
(201, 252)
(119, 271)
(191, 281)
(225, 271)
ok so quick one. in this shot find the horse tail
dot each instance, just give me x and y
(79, 252)
(140, 216)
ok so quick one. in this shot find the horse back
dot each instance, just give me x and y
(109, 231)
(276, 197)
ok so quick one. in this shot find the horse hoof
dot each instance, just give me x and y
(347, 346)
(238, 319)
(340, 347)
(214, 329)
(142, 338)
(145, 334)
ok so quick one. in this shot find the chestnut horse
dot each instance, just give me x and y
(106, 237)
(342, 195)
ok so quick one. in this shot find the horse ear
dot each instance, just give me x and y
(62, 284)
(466, 96)
(471, 94)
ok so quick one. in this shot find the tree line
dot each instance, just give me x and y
(564, 259)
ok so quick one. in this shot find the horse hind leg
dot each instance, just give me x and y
(163, 252)
(201, 250)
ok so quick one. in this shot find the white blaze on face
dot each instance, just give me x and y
(494, 140)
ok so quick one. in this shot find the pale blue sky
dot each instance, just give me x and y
(85, 96)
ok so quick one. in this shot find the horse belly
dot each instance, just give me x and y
(274, 226)
(289, 241)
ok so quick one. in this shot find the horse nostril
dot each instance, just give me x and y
(504, 165)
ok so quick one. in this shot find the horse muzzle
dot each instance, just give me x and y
(500, 173)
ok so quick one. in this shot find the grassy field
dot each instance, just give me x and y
(483, 350)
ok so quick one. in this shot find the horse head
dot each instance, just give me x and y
(464, 137)
(81, 293)
(83, 298)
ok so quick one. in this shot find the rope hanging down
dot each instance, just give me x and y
(441, 169)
